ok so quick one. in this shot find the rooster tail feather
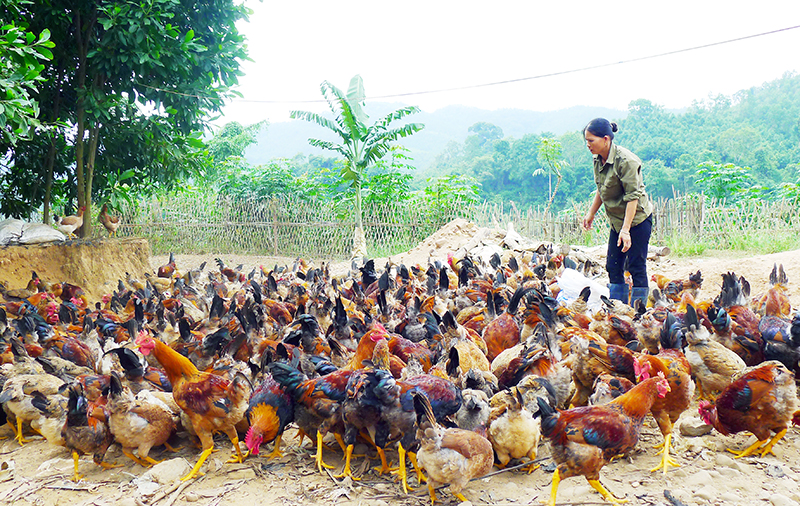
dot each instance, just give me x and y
(549, 417)
(423, 409)
(513, 304)
(288, 377)
(115, 386)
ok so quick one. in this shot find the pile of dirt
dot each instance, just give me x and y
(94, 265)
(459, 237)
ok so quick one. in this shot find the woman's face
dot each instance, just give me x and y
(597, 145)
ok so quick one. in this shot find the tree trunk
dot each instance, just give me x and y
(48, 184)
(94, 136)
(359, 239)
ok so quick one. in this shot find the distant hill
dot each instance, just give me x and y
(288, 139)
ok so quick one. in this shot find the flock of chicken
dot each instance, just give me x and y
(68, 225)
(461, 366)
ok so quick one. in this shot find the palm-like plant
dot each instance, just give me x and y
(361, 145)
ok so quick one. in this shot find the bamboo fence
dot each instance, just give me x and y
(321, 229)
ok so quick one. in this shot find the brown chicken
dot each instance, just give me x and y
(212, 403)
(775, 302)
(594, 358)
(513, 430)
(672, 364)
(713, 365)
(111, 223)
(168, 270)
(674, 288)
(503, 332)
(86, 429)
(20, 293)
(69, 224)
(451, 456)
(140, 422)
(762, 401)
(585, 439)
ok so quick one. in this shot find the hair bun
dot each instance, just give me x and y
(614, 127)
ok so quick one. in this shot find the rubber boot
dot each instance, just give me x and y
(618, 292)
(639, 293)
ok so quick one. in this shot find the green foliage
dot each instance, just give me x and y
(755, 128)
(445, 193)
(233, 139)
(132, 84)
(550, 157)
(361, 145)
(723, 181)
(21, 57)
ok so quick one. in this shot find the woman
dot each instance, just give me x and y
(620, 188)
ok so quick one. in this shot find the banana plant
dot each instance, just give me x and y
(360, 145)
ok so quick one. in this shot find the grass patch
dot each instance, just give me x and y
(687, 246)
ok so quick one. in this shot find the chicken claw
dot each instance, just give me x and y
(19, 436)
(196, 469)
(136, 459)
(348, 454)
(768, 447)
(171, 448)
(608, 496)
(276, 450)
(238, 458)
(385, 468)
(666, 460)
(753, 448)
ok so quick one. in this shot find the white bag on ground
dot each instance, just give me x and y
(572, 282)
(10, 231)
(39, 233)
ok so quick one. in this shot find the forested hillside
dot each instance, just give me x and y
(444, 126)
(751, 138)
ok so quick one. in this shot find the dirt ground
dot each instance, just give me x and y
(39, 474)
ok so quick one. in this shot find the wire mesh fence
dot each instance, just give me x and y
(278, 226)
(321, 229)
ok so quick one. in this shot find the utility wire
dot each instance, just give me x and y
(509, 81)
(540, 76)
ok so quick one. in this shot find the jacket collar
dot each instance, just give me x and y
(612, 155)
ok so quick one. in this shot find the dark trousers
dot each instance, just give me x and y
(634, 260)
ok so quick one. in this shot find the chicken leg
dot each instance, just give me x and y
(77, 476)
(666, 460)
(318, 458)
(20, 437)
(276, 451)
(608, 496)
(753, 448)
(196, 469)
(348, 454)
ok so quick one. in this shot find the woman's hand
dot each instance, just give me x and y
(624, 240)
(587, 222)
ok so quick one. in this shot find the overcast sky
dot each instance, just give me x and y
(416, 46)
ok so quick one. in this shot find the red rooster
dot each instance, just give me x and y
(585, 439)
(673, 365)
(317, 402)
(761, 401)
(212, 403)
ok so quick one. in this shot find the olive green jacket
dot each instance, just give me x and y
(619, 181)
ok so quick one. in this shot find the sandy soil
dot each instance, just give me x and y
(39, 473)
